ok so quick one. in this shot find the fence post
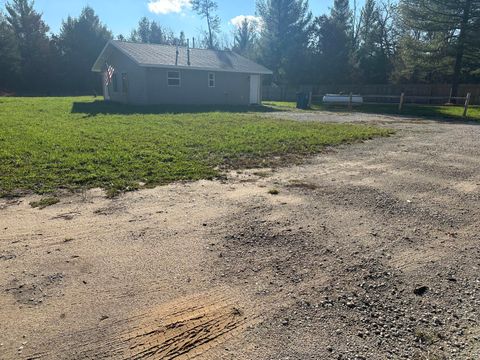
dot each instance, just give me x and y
(309, 99)
(450, 96)
(467, 102)
(350, 100)
(402, 99)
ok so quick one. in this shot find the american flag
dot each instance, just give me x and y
(109, 74)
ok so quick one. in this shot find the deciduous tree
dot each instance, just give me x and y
(372, 57)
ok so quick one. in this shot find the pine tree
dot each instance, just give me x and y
(333, 44)
(156, 34)
(436, 28)
(245, 38)
(33, 44)
(283, 44)
(9, 56)
(142, 33)
(80, 41)
(149, 32)
(342, 15)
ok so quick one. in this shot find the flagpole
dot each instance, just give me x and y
(107, 84)
(107, 81)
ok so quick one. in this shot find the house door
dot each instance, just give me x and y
(254, 89)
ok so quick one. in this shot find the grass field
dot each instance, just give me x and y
(48, 144)
(427, 111)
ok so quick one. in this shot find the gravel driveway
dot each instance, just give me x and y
(368, 251)
(343, 117)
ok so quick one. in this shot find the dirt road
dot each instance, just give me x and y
(369, 251)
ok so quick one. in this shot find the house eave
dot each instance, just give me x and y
(179, 67)
(98, 65)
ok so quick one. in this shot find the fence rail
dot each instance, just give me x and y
(427, 98)
(403, 99)
(421, 93)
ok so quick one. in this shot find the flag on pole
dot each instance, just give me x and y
(109, 73)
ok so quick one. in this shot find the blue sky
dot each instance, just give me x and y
(121, 16)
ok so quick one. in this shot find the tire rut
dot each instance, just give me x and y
(182, 329)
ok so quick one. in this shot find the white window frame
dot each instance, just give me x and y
(179, 78)
(214, 79)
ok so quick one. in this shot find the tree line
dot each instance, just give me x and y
(408, 41)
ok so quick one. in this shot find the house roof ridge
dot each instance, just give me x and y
(163, 55)
(169, 45)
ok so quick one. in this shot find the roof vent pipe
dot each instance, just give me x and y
(176, 57)
(188, 52)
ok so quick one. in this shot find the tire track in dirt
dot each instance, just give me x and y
(182, 329)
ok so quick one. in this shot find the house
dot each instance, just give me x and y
(147, 74)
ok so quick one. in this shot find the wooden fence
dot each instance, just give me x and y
(390, 99)
(415, 93)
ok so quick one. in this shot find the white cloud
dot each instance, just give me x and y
(168, 6)
(256, 21)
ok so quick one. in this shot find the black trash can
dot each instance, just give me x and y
(302, 101)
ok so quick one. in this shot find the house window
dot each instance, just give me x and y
(173, 78)
(125, 83)
(115, 82)
(211, 80)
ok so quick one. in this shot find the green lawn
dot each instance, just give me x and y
(48, 144)
(427, 111)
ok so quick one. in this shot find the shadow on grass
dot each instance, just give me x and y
(111, 108)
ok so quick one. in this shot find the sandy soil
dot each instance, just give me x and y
(369, 251)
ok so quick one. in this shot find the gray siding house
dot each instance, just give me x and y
(147, 74)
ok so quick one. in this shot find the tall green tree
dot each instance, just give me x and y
(33, 44)
(149, 32)
(284, 39)
(245, 37)
(9, 56)
(333, 45)
(80, 41)
(372, 57)
(156, 33)
(424, 58)
(442, 30)
(342, 14)
(142, 33)
(207, 10)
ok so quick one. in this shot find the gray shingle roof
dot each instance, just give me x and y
(152, 55)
